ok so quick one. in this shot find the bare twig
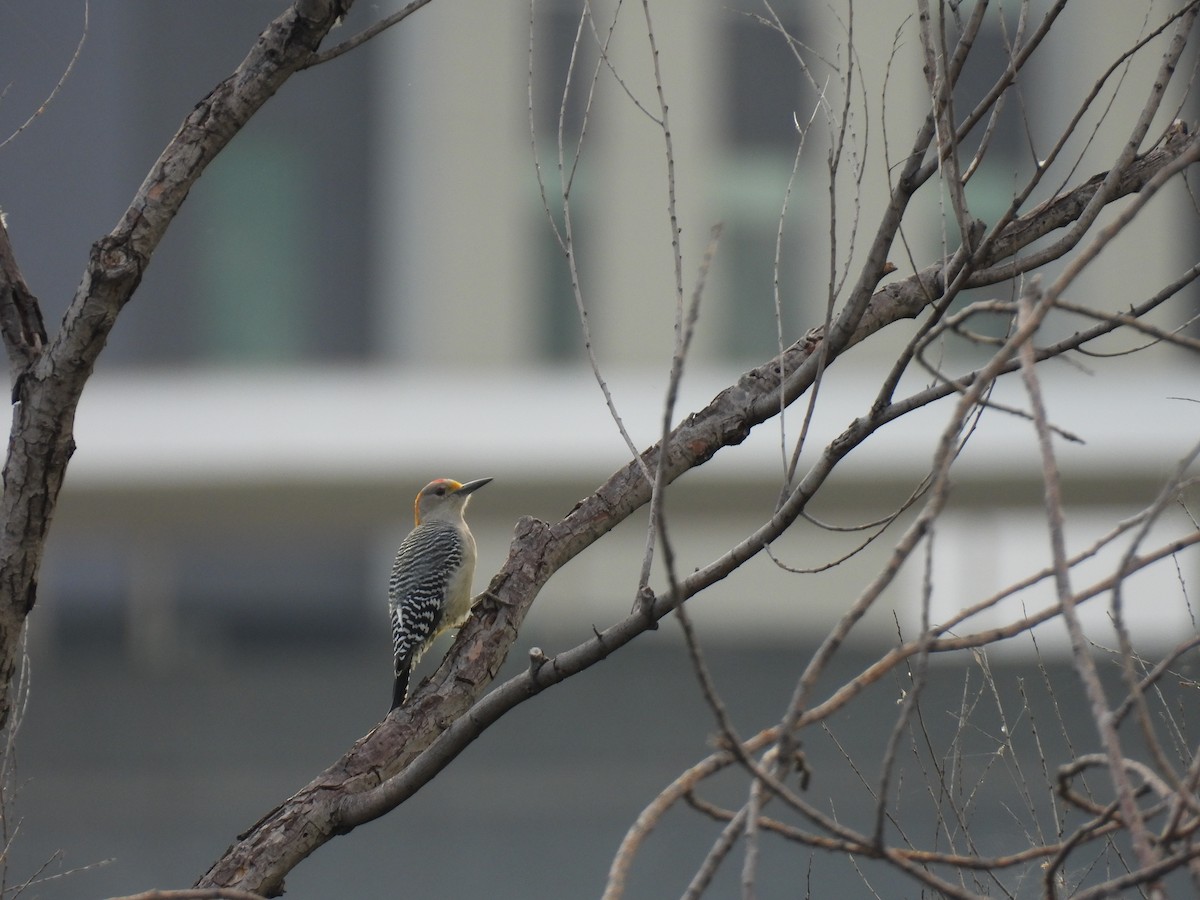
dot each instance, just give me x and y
(1031, 304)
(649, 818)
(62, 80)
(685, 330)
(566, 174)
(365, 35)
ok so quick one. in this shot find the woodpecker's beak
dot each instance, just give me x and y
(472, 486)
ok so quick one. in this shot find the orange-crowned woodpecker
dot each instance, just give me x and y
(430, 588)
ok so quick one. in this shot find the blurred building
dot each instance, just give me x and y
(364, 291)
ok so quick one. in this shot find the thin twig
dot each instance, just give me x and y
(565, 236)
(1033, 305)
(365, 35)
(648, 819)
(685, 329)
(59, 84)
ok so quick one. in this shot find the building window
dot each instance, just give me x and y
(763, 88)
(762, 80)
(559, 101)
(1008, 163)
(1008, 160)
(268, 259)
(555, 29)
(559, 334)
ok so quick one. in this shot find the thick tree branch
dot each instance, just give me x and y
(351, 791)
(1066, 209)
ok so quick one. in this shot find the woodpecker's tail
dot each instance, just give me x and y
(400, 687)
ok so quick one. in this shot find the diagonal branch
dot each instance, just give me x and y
(447, 709)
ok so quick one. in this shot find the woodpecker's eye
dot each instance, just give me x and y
(440, 490)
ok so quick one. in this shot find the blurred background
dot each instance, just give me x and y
(363, 293)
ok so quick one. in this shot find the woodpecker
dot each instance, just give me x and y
(430, 587)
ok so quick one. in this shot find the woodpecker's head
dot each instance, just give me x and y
(444, 498)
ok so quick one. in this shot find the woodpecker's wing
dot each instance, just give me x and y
(417, 589)
(420, 578)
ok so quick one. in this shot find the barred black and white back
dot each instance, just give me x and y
(429, 592)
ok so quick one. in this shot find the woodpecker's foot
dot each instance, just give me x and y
(492, 599)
